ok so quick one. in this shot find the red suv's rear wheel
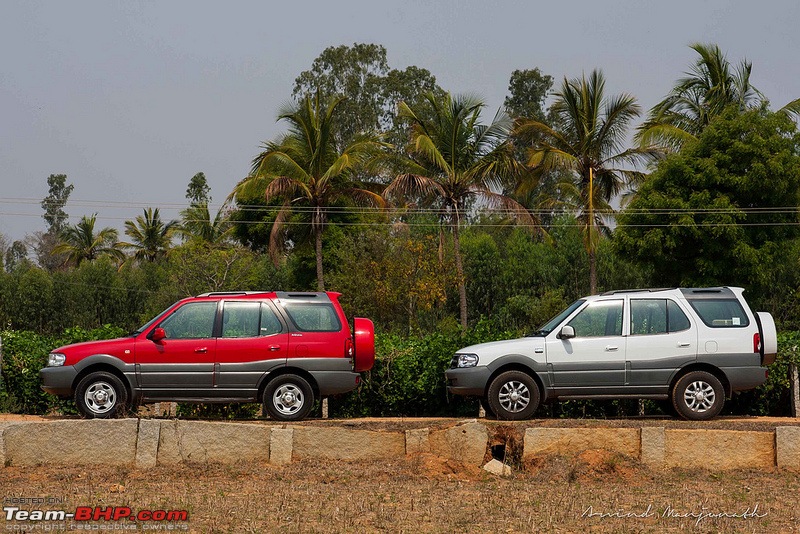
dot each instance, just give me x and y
(288, 397)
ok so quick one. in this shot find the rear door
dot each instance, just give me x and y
(661, 340)
(316, 330)
(253, 341)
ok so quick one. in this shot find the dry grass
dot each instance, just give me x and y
(426, 494)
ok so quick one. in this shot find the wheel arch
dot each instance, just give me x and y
(516, 366)
(287, 371)
(109, 368)
(700, 366)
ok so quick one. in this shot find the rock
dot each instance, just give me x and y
(787, 442)
(496, 467)
(94, 441)
(573, 441)
(280, 446)
(653, 446)
(147, 443)
(719, 449)
(346, 444)
(465, 443)
(417, 441)
(205, 441)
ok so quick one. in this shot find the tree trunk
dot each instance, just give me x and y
(794, 389)
(592, 269)
(462, 287)
(318, 249)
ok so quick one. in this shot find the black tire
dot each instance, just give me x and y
(698, 396)
(288, 398)
(487, 408)
(101, 395)
(513, 396)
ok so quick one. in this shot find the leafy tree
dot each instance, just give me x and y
(16, 254)
(198, 190)
(723, 209)
(588, 142)
(454, 159)
(195, 268)
(527, 91)
(362, 74)
(150, 236)
(198, 224)
(80, 242)
(306, 171)
(711, 86)
(53, 204)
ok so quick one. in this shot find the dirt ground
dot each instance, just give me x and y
(595, 492)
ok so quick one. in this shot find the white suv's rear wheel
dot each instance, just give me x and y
(698, 396)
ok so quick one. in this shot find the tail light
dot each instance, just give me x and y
(348, 348)
(757, 342)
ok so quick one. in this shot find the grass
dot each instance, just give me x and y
(425, 493)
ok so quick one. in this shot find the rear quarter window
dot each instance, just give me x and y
(313, 317)
(720, 313)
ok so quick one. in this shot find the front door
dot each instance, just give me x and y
(595, 358)
(182, 364)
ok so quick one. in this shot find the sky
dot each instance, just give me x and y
(131, 99)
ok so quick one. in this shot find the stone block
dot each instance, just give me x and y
(496, 467)
(652, 446)
(206, 441)
(573, 441)
(94, 441)
(280, 446)
(345, 444)
(787, 447)
(147, 443)
(465, 443)
(417, 441)
(719, 449)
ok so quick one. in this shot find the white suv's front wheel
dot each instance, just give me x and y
(698, 396)
(513, 396)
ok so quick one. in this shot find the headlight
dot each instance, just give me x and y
(467, 360)
(56, 359)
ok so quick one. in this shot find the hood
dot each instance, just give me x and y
(76, 351)
(494, 349)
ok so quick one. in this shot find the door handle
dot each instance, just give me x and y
(274, 348)
(684, 345)
(611, 348)
(201, 350)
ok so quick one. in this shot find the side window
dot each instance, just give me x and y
(720, 313)
(656, 316)
(309, 317)
(240, 319)
(191, 321)
(269, 322)
(678, 321)
(600, 318)
(648, 316)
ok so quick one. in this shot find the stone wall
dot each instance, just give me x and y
(146, 443)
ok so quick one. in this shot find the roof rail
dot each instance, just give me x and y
(646, 290)
(231, 293)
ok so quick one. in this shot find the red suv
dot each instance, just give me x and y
(283, 349)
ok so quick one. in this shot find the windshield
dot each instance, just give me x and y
(555, 321)
(149, 323)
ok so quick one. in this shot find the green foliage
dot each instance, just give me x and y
(53, 204)
(24, 354)
(408, 376)
(711, 214)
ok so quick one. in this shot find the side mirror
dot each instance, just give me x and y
(567, 332)
(158, 335)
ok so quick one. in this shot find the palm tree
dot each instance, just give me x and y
(80, 243)
(303, 168)
(198, 224)
(150, 236)
(453, 159)
(588, 141)
(711, 86)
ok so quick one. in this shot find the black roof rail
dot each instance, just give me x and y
(231, 293)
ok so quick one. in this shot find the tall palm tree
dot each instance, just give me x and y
(198, 224)
(150, 236)
(303, 168)
(588, 140)
(452, 159)
(710, 86)
(79, 242)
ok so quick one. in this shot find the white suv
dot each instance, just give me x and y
(693, 346)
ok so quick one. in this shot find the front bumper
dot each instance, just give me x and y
(468, 380)
(58, 380)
